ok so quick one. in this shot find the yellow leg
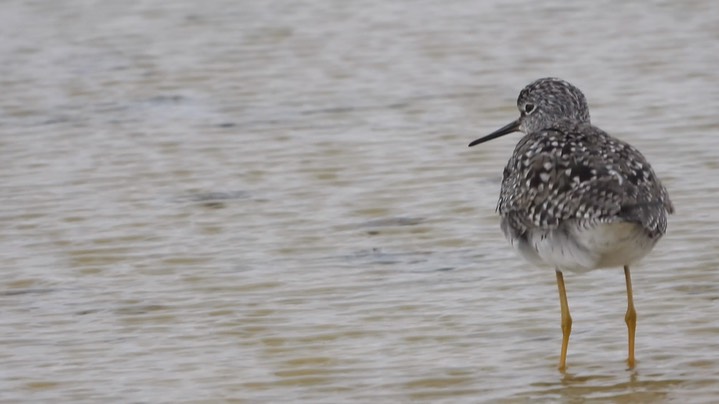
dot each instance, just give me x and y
(566, 321)
(630, 317)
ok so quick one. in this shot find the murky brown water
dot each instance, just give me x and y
(273, 201)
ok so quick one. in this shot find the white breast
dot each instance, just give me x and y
(576, 248)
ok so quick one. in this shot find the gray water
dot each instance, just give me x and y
(273, 201)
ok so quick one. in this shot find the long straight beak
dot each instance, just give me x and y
(504, 130)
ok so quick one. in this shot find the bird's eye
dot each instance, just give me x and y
(529, 108)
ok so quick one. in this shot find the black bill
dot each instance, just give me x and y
(504, 130)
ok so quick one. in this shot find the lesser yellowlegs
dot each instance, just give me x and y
(575, 198)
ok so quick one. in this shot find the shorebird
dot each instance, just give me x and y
(574, 198)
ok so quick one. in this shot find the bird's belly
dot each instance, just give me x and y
(576, 248)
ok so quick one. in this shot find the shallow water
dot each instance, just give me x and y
(274, 201)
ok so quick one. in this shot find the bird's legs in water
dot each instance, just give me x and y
(566, 320)
(630, 317)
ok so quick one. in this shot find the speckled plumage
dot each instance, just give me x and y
(575, 171)
(574, 198)
(566, 175)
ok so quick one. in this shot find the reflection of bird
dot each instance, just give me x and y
(573, 197)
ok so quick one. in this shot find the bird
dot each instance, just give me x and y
(574, 198)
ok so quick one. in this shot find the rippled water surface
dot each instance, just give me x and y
(273, 201)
